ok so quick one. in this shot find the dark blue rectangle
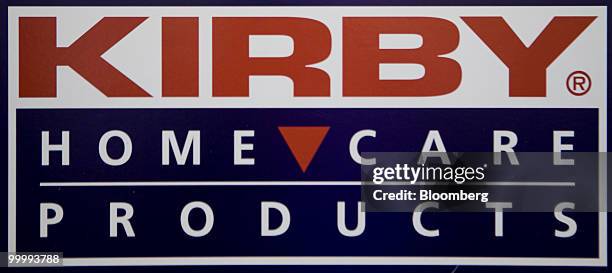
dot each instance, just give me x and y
(84, 230)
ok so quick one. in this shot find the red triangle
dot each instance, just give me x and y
(304, 141)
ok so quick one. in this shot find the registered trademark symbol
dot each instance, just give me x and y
(578, 83)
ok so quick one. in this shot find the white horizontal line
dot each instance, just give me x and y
(513, 183)
(331, 260)
(200, 183)
(289, 183)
